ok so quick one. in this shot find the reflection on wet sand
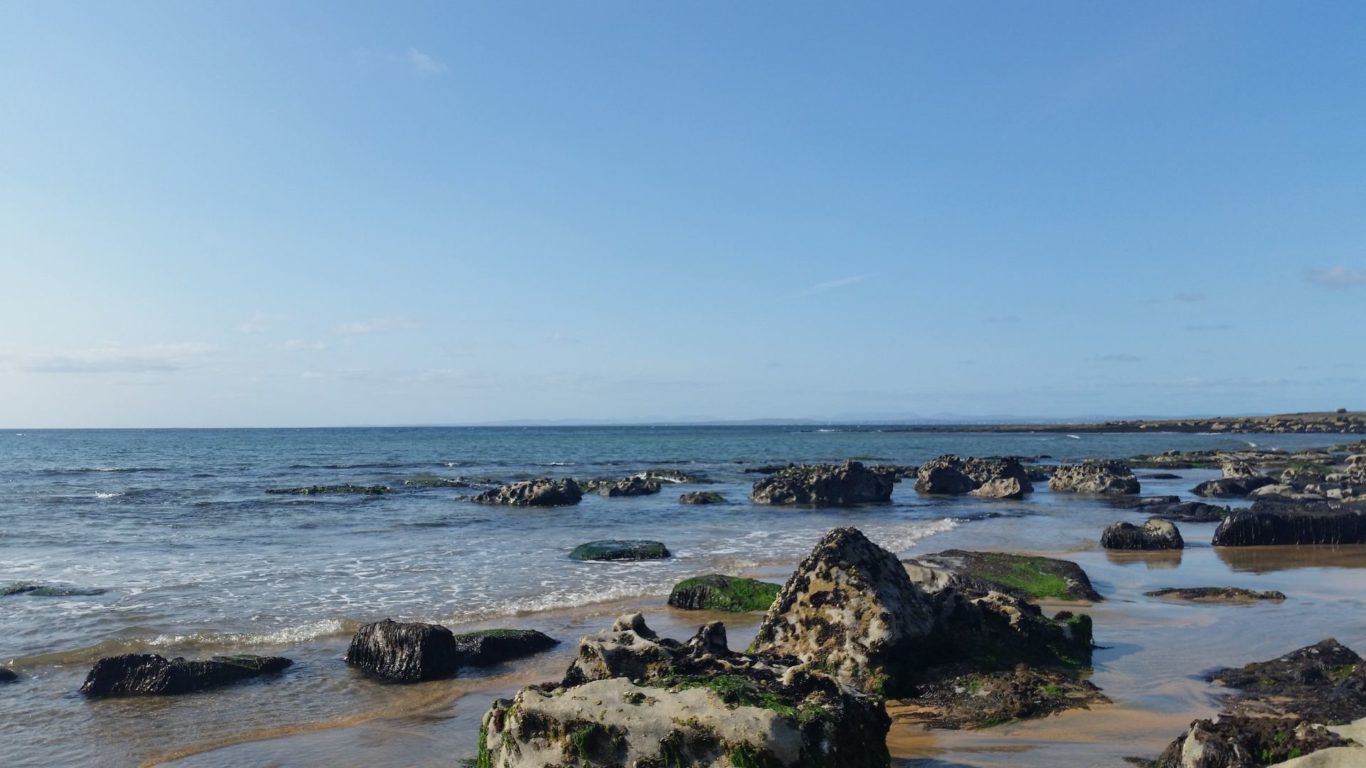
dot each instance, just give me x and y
(1286, 558)
(1155, 560)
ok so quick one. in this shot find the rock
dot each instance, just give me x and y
(1094, 476)
(825, 485)
(1245, 742)
(702, 497)
(1154, 534)
(675, 476)
(1190, 512)
(435, 481)
(145, 674)
(315, 490)
(991, 478)
(1162, 476)
(976, 574)
(1226, 487)
(851, 608)
(404, 652)
(1215, 594)
(36, 589)
(996, 697)
(8, 675)
(767, 469)
(620, 549)
(541, 492)
(1270, 522)
(635, 699)
(723, 593)
(631, 486)
(1141, 503)
(999, 631)
(487, 647)
(1237, 469)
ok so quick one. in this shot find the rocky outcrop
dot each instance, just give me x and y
(996, 697)
(487, 647)
(976, 574)
(1239, 469)
(541, 492)
(1270, 522)
(1215, 595)
(716, 592)
(1189, 512)
(146, 674)
(620, 549)
(1096, 477)
(404, 652)
(1279, 712)
(702, 497)
(991, 478)
(315, 490)
(630, 486)
(1228, 487)
(826, 485)
(1154, 534)
(633, 698)
(673, 476)
(852, 609)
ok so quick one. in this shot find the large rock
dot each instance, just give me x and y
(702, 497)
(1245, 742)
(992, 478)
(1215, 594)
(1239, 469)
(146, 674)
(404, 652)
(1230, 487)
(852, 609)
(1154, 534)
(630, 486)
(487, 647)
(541, 492)
(716, 592)
(634, 699)
(976, 574)
(620, 549)
(8, 675)
(825, 485)
(1269, 522)
(1189, 512)
(1094, 476)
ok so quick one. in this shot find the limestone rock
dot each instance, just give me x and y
(1154, 534)
(825, 485)
(992, 478)
(1094, 476)
(1226, 487)
(541, 492)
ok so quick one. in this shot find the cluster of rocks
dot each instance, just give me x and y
(826, 485)
(849, 628)
(410, 652)
(997, 478)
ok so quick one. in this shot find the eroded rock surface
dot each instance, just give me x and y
(1095, 477)
(825, 485)
(486, 647)
(541, 492)
(147, 674)
(1002, 478)
(404, 652)
(1154, 534)
(717, 592)
(976, 574)
(1272, 522)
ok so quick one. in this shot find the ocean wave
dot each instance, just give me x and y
(108, 495)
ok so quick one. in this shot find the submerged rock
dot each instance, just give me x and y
(404, 652)
(992, 478)
(1190, 512)
(1270, 522)
(674, 476)
(36, 589)
(635, 485)
(1094, 476)
(487, 647)
(315, 490)
(146, 674)
(1162, 476)
(540, 492)
(997, 697)
(1231, 487)
(1215, 594)
(8, 675)
(977, 573)
(702, 497)
(1154, 534)
(825, 485)
(620, 549)
(716, 592)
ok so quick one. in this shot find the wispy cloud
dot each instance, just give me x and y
(116, 358)
(1119, 357)
(1189, 297)
(1336, 277)
(377, 325)
(843, 282)
(424, 65)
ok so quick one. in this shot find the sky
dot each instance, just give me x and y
(311, 214)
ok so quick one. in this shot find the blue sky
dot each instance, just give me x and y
(264, 213)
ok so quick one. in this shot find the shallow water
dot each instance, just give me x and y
(195, 559)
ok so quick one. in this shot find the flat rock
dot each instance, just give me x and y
(1095, 477)
(146, 674)
(1278, 523)
(630, 486)
(1154, 534)
(487, 647)
(1231, 487)
(702, 497)
(1189, 512)
(716, 592)
(406, 652)
(1161, 476)
(1215, 594)
(540, 492)
(977, 573)
(316, 490)
(620, 549)
(831, 485)
(995, 698)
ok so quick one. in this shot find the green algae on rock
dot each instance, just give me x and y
(716, 592)
(620, 549)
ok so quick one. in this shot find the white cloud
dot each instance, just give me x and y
(423, 64)
(1336, 277)
(116, 358)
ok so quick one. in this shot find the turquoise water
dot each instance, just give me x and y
(191, 556)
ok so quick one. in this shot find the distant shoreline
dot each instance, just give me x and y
(1324, 422)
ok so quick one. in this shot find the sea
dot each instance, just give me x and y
(167, 541)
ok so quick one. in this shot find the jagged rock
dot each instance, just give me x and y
(146, 674)
(1245, 742)
(1269, 522)
(825, 485)
(8, 675)
(716, 592)
(1216, 594)
(1227, 487)
(314, 490)
(487, 647)
(991, 478)
(996, 697)
(702, 497)
(633, 698)
(620, 549)
(1154, 534)
(1190, 512)
(998, 631)
(541, 492)
(1094, 476)
(435, 481)
(404, 652)
(976, 574)
(630, 486)
(852, 609)
(1239, 469)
